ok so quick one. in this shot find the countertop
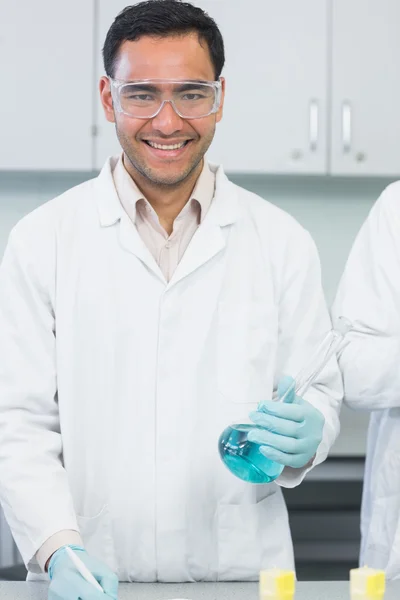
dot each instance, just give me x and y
(314, 590)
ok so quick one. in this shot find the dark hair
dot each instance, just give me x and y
(162, 18)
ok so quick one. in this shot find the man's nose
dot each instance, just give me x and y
(167, 121)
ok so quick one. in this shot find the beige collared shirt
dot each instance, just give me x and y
(166, 250)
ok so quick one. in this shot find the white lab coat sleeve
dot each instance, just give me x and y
(34, 489)
(303, 322)
(369, 295)
(56, 541)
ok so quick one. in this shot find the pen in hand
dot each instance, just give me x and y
(83, 570)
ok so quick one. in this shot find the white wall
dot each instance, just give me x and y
(331, 209)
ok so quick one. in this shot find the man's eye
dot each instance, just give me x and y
(192, 96)
(140, 97)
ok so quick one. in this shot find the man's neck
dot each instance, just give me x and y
(167, 201)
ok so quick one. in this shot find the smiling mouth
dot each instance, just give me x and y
(167, 146)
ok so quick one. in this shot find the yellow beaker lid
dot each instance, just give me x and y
(367, 583)
(276, 584)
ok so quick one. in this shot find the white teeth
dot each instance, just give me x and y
(169, 147)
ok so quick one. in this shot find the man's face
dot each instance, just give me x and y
(177, 57)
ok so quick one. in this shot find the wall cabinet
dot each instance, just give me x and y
(46, 65)
(312, 86)
(365, 87)
(275, 110)
(276, 86)
(106, 142)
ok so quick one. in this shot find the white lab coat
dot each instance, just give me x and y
(141, 376)
(369, 294)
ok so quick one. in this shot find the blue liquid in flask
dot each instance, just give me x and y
(243, 458)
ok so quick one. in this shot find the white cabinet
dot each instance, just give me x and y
(276, 85)
(365, 87)
(46, 66)
(106, 139)
(312, 86)
(275, 111)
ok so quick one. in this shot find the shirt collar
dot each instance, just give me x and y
(129, 193)
(225, 208)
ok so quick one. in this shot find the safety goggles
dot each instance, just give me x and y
(144, 99)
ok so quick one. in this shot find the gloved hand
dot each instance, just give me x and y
(68, 584)
(292, 430)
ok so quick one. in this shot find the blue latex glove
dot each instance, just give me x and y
(68, 584)
(292, 430)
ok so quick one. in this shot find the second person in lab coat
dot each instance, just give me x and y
(141, 313)
(369, 295)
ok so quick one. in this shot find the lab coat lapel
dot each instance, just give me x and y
(111, 211)
(208, 241)
(130, 240)
(211, 236)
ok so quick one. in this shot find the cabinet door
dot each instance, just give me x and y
(276, 85)
(366, 87)
(46, 66)
(275, 109)
(106, 141)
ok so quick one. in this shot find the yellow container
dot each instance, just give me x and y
(367, 584)
(276, 584)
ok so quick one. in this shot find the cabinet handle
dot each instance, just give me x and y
(314, 125)
(346, 126)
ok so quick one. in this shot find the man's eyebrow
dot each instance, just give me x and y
(190, 86)
(148, 87)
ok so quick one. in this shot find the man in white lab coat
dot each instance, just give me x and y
(141, 313)
(369, 295)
